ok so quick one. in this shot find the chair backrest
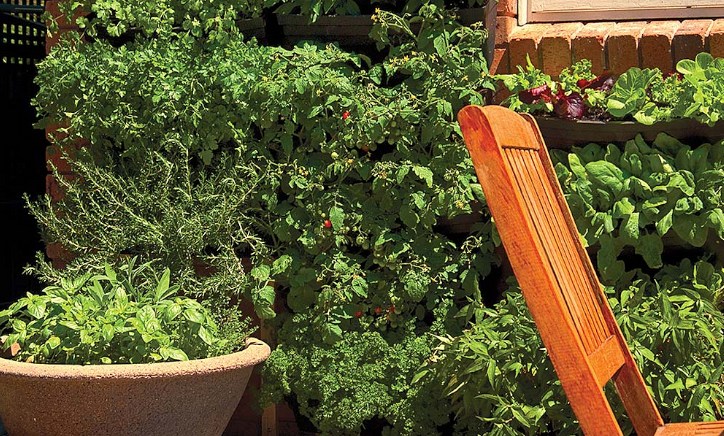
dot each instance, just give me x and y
(555, 274)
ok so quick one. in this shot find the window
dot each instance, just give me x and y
(611, 10)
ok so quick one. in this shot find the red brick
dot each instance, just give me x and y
(716, 39)
(501, 62)
(622, 46)
(52, 7)
(524, 41)
(655, 45)
(503, 28)
(54, 156)
(590, 43)
(52, 134)
(508, 8)
(54, 189)
(58, 252)
(690, 38)
(555, 47)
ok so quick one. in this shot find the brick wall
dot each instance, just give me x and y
(611, 46)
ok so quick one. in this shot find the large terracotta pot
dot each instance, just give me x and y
(196, 397)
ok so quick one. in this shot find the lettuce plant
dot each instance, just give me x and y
(637, 194)
(644, 95)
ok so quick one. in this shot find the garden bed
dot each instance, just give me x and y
(561, 133)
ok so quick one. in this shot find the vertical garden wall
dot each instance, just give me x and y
(323, 185)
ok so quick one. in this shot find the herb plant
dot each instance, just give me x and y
(500, 379)
(124, 315)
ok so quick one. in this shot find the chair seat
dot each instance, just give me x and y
(713, 428)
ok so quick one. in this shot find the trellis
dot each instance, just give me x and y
(22, 33)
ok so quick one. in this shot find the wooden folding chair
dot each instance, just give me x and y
(556, 276)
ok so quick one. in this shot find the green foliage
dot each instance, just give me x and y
(528, 77)
(498, 376)
(341, 387)
(704, 84)
(329, 171)
(159, 18)
(383, 173)
(332, 173)
(636, 195)
(316, 8)
(649, 97)
(644, 95)
(200, 226)
(500, 381)
(124, 315)
(675, 333)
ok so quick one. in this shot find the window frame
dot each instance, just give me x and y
(673, 12)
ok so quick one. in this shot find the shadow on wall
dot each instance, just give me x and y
(22, 170)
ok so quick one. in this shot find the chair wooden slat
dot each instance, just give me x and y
(570, 270)
(692, 429)
(630, 385)
(607, 360)
(541, 218)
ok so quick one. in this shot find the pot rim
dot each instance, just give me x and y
(256, 351)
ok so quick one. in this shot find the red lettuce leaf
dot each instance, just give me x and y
(535, 95)
(570, 107)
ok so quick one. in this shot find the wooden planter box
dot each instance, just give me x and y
(347, 30)
(252, 28)
(353, 31)
(564, 134)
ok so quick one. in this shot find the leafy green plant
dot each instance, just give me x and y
(360, 382)
(124, 315)
(159, 18)
(637, 194)
(497, 375)
(704, 81)
(644, 95)
(155, 210)
(316, 8)
(500, 381)
(578, 94)
(649, 97)
(675, 333)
